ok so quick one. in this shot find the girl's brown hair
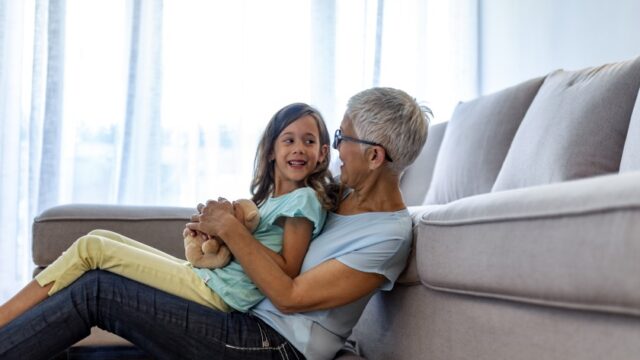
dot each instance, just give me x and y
(320, 180)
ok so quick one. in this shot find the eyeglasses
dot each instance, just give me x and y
(338, 138)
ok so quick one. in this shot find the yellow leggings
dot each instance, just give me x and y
(110, 251)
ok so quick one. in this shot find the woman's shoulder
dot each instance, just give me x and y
(371, 225)
(376, 216)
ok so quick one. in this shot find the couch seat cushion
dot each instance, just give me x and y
(575, 127)
(574, 244)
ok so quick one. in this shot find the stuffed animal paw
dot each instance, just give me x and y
(204, 251)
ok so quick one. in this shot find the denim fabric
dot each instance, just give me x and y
(163, 325)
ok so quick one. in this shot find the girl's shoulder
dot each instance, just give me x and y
(303, 195)
(301, 202)
(303, 191)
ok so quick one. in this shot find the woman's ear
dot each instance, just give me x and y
(375, 157)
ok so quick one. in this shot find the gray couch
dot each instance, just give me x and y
(526, 208)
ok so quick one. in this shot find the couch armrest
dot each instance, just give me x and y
(573, 244)
(55, 229)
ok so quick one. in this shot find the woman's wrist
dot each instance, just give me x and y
(229, 227)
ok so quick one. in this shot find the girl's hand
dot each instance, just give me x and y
(188, 232)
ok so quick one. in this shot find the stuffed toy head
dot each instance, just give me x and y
(247, 212)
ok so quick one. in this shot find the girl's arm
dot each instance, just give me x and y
(296, 237)
(327, 285)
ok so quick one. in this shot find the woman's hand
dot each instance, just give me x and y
(195, 218)
(213, 217)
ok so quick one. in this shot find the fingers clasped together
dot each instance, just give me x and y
(210, 216)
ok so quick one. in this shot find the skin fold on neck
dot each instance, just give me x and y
(378, 193)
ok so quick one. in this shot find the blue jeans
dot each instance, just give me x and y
(162, 325)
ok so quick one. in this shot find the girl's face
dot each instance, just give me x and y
(297, 152)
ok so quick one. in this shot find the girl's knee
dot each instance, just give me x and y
(91, 249)
(105, 233)
(89, 242)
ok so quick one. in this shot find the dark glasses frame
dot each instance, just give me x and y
(338, 138)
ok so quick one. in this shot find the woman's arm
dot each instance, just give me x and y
(329, 284)
(297, 233)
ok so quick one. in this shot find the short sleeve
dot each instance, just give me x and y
(386, 258)
(303, 203)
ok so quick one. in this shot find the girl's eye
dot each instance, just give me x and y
(287, 140)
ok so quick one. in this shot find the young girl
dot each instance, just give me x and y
(293, 190)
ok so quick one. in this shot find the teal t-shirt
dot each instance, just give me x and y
(231, 282)
(375, 242)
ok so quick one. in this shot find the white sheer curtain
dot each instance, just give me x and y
(162, 102)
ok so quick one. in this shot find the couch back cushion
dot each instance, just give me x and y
(631, 153)
(55, 229)
(575, 127)
(417, 177)
(476, 142)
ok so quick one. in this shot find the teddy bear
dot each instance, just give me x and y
(203, 251)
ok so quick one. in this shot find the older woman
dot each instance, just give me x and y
(363, 248)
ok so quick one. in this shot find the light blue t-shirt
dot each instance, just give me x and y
(375, 242)
(231, 282)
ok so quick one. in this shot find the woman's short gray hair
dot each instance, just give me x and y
(393, 119)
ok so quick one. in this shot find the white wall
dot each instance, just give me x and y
(522, 39)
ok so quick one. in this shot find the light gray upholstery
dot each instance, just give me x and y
(476, 142)
(575, 128)
(416, 178)
(573, 244)
(55, 229)
(415, 322)
(409, 275)
(631, 154)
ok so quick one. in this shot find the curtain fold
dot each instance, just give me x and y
(377, 55)
(142, 137)
(163, 102)
(37, 98)
(9, 143)
(53, 121)
(323, 55)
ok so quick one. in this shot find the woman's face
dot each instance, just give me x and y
(354, 166)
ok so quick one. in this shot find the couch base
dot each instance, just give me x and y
(414, 322)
